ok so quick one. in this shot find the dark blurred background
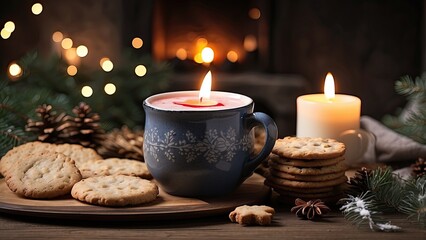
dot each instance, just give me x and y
(271, 50)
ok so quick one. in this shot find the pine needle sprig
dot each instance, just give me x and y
(385, 191)
(414, 202)
(17, 106)
(411, 120)
(362, 209)
(10, 136)
(406, 86)
(386, 187)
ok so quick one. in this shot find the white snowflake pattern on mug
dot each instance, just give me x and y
(214, 145)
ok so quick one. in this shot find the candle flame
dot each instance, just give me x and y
(206, 87)
(329, 90)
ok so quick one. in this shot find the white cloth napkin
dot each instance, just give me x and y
(389, 146)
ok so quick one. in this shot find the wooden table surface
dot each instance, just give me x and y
(285, 226)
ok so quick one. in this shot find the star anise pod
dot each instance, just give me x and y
(310, 209)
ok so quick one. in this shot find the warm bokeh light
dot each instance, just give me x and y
(15, 70)
(250, 43)
(72, 70)
(9, 26)
(66, 43)
(206, 87)
(110, 88)
(232, 56)
(71, 56)
(103, 60)
(86, 91)
(201, 42)
(254, 13)
(140, 70)
(5, 34)
(137, 42)
(37, 8)
(198, 58)
(207, 55)
(106, 64)
(82, 51)
(57, 36)
(182, 54)
(329, 90)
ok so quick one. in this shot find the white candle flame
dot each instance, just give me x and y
(206, 87)
(329, 90)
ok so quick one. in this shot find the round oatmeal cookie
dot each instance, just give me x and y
(313, 184)
(77, 153)
(19, 152)
(308, 148)
(115, 190)
(306, 178)
(338, 168)
(42, 175)
(305, 163)
(115, 166)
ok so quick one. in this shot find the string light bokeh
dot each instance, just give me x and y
(72, 53)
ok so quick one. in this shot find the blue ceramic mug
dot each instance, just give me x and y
(196, 151)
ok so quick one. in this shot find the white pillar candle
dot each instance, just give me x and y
(319, 117)
(327, 115)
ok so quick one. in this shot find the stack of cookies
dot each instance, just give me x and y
(307, 168)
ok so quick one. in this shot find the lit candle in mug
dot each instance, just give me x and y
(203, 99)
(195, 150)
(327, 115)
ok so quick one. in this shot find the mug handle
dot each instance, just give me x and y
(357, 142)
(271, 130)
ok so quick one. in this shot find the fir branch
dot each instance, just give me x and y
(411, 120)
(406, 86)
(414, 202)
(386, 187)
(10, 137)
(385, 191)
(362, 209)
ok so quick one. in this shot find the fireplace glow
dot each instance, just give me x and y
(232, 56)
(207, 55)
(250, 43)
(210, 32)
(254, 13)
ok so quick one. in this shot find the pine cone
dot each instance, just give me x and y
(122, 143)
(49, 127)
(359, 183)
(84, 128)
(419, 167)
(310, 209)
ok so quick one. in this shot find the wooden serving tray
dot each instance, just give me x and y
(165, 207)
